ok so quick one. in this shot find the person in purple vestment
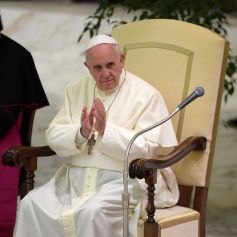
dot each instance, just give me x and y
(20, 91)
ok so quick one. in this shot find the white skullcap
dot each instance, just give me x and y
(100, 39)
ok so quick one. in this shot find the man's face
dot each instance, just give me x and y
(105, 65)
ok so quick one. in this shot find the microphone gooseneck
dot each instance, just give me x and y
(199, 91)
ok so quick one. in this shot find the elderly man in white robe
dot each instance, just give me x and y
(100, 115)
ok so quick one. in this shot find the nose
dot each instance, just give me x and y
(105, 72)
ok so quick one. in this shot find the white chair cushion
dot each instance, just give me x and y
(175, 221)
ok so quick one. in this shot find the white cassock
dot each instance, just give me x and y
(83, 199)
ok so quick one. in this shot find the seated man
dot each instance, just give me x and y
(100, 115)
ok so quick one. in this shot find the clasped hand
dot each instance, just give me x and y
(95, 119)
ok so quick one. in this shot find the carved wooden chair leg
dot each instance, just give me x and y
(200, 201)
(29, 181)
(30, 167)
(151, 227)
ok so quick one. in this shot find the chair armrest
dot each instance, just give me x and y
(18, 156)
(140, 168)
(146, 168)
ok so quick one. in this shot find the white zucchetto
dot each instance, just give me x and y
(100, 39)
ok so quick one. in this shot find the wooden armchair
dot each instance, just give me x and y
(175, 57)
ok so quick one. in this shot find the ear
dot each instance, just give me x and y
(87, 65)
(122, 59)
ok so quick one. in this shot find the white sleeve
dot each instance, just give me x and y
(79, 140)
(115, 139)
(61, 133)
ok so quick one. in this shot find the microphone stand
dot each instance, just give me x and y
(199, 91)
(125, 195)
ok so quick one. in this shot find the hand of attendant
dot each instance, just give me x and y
(95, 119)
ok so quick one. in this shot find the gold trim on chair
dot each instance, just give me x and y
(177, 49)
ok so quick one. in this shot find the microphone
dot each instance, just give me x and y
(199, 91)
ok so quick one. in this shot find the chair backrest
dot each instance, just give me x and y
(175, 57)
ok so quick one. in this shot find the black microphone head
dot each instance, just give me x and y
(200, 91)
